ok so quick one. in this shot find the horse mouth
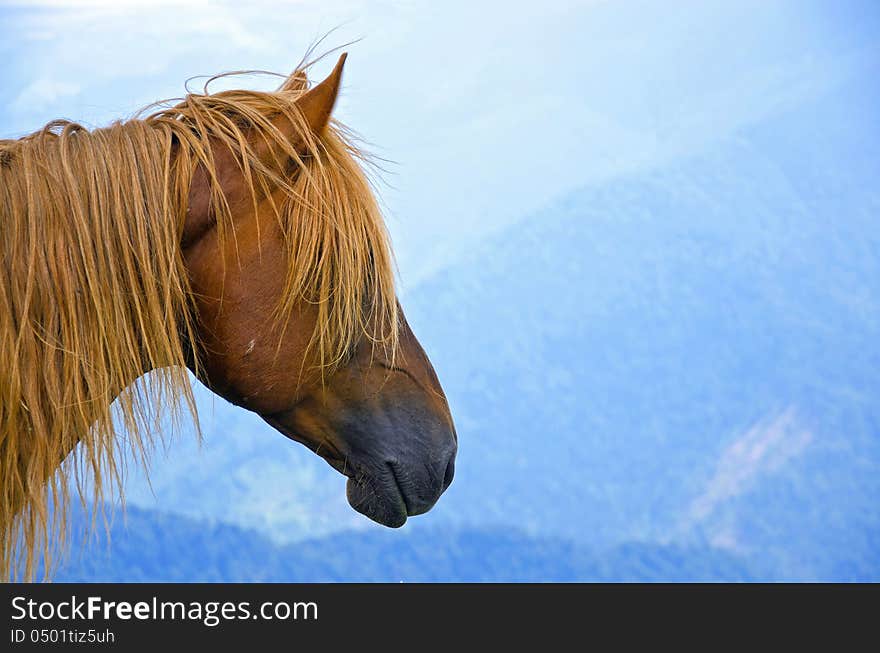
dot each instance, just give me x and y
(379, 497)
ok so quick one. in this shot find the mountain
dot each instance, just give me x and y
(686, 357)
(690, 352)
(155, 547)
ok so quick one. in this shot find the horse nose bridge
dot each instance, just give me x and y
(423, 437)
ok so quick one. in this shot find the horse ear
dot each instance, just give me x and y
(316, 104)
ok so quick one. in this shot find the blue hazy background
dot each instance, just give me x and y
(640, 242)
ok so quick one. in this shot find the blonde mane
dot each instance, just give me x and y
(94, 291)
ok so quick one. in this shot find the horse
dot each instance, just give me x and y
(235, 235)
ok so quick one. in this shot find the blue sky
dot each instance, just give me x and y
(489, 110)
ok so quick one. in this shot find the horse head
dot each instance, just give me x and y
(295, 316)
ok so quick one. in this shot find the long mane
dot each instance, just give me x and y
(94, 291)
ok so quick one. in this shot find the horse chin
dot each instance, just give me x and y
(382, 502)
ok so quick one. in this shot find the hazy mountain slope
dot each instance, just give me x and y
(246, 473)
(154, 547)
(690, 351)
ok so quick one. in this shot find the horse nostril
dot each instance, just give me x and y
(450, 472)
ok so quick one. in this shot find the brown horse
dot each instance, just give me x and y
(235, 234)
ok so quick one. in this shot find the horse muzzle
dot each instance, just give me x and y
(391, 490)
(392, 475)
